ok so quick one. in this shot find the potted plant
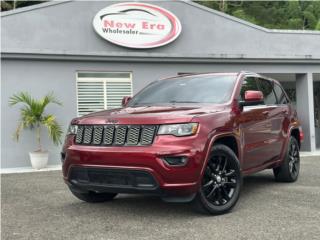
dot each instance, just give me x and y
(33, 117)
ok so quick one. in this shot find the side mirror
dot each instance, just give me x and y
(252, 98)
(125, 101)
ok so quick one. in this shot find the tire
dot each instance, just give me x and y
(221, 182)
(92, 197)
(288, 171)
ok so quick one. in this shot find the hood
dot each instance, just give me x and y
(147, 115)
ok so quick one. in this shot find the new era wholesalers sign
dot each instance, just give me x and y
(137, 25)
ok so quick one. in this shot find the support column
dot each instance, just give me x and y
(305, 109)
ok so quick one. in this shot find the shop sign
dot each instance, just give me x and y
(137, 25)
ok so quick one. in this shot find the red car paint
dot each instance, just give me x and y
(261, 135)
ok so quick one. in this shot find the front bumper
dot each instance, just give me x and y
(124, 162)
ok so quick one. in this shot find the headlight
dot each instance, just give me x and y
(72, 129)
(184, 129)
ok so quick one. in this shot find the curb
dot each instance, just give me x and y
(30, 169)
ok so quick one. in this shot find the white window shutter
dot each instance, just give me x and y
(102, 90)
(91, 96)
(116, 90)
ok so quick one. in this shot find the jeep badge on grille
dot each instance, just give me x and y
(111, 121)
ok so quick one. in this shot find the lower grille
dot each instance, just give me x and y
(118, 135)
(112, 178)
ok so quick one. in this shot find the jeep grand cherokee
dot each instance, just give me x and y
(188, 138)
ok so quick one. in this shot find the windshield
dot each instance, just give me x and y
(195, 89)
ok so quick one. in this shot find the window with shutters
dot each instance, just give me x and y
(97, 91)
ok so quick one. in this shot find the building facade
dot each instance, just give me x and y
(53, 47)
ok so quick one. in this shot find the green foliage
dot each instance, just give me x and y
(292, 14)
(33, 116)
(316, 92)
(9, 5)
(318, 26)
(241, 14)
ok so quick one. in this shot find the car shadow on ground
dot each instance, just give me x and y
(148, 206)
(257, 181)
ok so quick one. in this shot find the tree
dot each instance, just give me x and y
(293, 14)
(318, 26)
(33, 116)
(10, 5)
(317, 103)
(272, 14)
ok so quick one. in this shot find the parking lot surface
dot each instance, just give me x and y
(39, 206)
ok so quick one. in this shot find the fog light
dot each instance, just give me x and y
(176, 160)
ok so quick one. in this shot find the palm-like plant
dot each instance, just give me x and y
(33, 116)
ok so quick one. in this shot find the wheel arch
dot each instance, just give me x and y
(229, 139)
(295, 132)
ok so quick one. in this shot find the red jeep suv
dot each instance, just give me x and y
(189, 138)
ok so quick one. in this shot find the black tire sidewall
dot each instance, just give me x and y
(282, 173)
(209, 207)
(295, 142)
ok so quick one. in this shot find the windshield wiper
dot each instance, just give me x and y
(183, 102)
(142, 104)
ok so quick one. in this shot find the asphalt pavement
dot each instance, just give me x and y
(39, 206)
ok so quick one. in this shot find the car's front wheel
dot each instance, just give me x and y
(93, 197)
(288, 171)
(221, 182)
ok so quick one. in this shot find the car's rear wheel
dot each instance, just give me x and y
(221, 182)
(93, 197)
(288, 171)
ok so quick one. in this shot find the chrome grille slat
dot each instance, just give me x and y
(87, 135)
(79, 135)
(108, 135)
(147, 135)
(118, 135)
(133, 135)
(97, 134)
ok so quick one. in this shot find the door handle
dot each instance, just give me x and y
(265, 113)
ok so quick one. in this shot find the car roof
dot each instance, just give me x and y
(245, 73)
(186, 75)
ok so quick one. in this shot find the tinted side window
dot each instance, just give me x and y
(249, 83)
(282, 99)
(267, 90)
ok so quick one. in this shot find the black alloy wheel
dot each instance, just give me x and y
(221, 182)
(294, 160)
(289, 170)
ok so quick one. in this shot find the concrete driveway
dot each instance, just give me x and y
(39, 206)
